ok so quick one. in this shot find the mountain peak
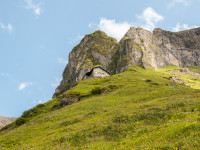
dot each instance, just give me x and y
(95, 49)
(97, 34)
(138, 47)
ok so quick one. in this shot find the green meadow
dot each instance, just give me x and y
(137, 109)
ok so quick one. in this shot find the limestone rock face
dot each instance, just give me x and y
(137, 47)
(95, 49)
(184, 45)
(6, 120)
(141, 47)
(159, 49)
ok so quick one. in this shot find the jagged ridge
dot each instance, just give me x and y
(137, 47)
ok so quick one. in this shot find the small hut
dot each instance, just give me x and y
(96, 72)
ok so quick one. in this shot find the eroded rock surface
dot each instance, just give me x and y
(6, 120)
(159, 49)
(137, 47)
(184, 45)
(68, 99)
(95, 49)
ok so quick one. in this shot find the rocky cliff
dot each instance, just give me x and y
(159, 49)
(137, 47)
(95, 49)
(6, 120)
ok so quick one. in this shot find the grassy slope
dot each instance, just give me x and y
(192, 81)
(195, 69)
(134, 114)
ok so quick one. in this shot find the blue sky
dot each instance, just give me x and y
(36, 37)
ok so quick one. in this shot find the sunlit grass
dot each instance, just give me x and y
(140, 109)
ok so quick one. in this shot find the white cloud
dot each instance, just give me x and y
(174, 2)
(5, 74)
(90, 25)
(24, 85)
(40, 102)
(151, 18)
(113, 28)
(56, 82)
(118, 29)
(62, 61)
(34, 7)
(8, 27)
(36, 102)
(180, 27)
(37, 11)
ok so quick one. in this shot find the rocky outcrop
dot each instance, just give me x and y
(65, 100)
(68, 99)
(6, 120)
(184, 45)
(137, 47)
(142, 48)
(95, 49)
(184, 72)
(159, 49)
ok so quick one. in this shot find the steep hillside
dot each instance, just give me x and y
(6, 120)
(149, 102)
(137, 109)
